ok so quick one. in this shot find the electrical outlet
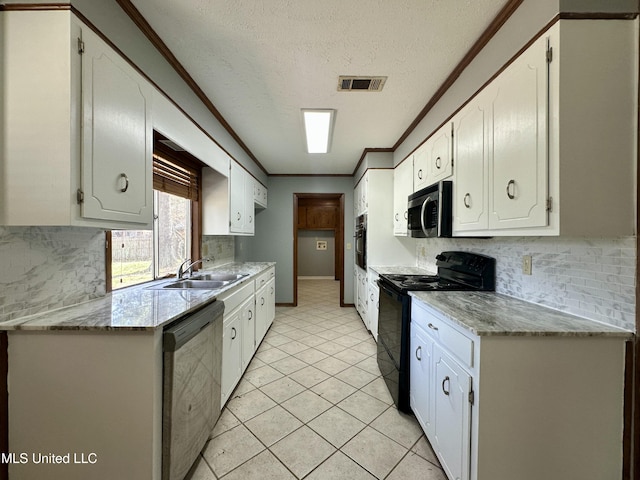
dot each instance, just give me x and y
(526, 264)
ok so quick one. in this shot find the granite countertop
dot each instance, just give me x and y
(144, 307)
(400, 270)
(489, 313)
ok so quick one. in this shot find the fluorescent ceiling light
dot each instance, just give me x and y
(318, 125)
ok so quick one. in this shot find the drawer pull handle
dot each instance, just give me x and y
(261, 301)
(438, 163)
(419, 350)
(420, 174)
(446, 380)
(250, 314)
(512, 183)
(406, 214)
(234, 333)
(432, 326)
(396, 217)
(467, 197)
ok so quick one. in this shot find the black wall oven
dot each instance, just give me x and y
(456, 271)
(430, 211)
(361, 241)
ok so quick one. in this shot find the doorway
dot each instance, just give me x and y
(321, 212)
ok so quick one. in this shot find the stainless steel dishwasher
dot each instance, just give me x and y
(191, 387)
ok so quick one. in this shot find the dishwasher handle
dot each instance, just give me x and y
(189, 326)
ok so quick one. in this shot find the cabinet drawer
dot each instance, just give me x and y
(234, 297)
(263, 278)
(443, 333)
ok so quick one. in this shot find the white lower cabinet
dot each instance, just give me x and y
(373, 305)
(451, 414)
(231, 353)
(249, 312)
(420, 363)
(501, 406)
(361, 295)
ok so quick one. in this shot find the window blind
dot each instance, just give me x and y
(175, 178)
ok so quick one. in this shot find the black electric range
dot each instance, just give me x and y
(457, 271)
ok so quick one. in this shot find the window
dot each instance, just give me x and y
(136, 256)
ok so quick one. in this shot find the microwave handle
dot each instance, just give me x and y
(424, 207)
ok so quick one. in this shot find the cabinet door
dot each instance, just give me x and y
(237, 197)
(231, 353)
(117, 137)
(471, 152)
(421, 377)
(247, 314)
(439, 155)
(262, 313)
(372, 310)
(271, 303)
(519, 158)
(452, 415)
(402, 188)
(421, 166)
(248, 226)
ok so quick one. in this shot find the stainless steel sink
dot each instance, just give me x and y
(204, 284)
(222, 277)
(207, 281)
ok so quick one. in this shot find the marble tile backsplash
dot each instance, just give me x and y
(222, 248)
(593, 278)
(42, 268)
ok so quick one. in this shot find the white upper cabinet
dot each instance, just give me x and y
(421, 167)
(433, 161)
(471, 151)
(518, 170)
(439, 155)
(228, 201)
(259, 194)
(402, 188)
(77, 147)
(558, 156)
(117, 136)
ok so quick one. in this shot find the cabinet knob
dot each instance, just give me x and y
(126, 182)
(419, 351)
(446, 380)
(438, 163)
(233, 329)
(511, 187)
(466, 201)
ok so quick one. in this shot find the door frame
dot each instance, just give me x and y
(338, 234)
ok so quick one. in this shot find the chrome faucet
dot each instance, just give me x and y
(182, 270)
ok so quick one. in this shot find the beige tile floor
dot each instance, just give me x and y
(312, 405)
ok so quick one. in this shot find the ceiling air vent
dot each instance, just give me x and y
(367, 84)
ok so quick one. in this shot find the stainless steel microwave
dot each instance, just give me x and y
(430, 211)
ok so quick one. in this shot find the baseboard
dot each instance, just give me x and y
(312, 277)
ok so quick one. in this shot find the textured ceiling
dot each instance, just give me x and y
(261, 61)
